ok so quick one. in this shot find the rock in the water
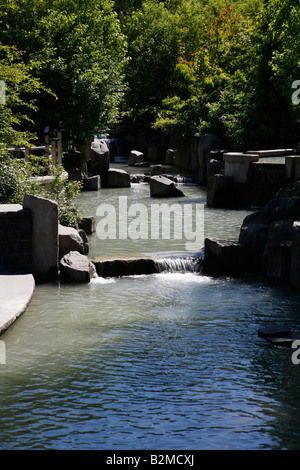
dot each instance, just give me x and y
(160, 186)
(275, 331)
(279, 335)
(92, 183)
(118, 179)
(223, 257)
(135, 157)
(70, 240)
(100, 160)
(44, 236)
(76, 267)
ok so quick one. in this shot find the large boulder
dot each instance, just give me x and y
(223, 257)
(160, 186)
(135, 157)
(44, 236)
(100, 160)
(118, 178)
(76, 267)
(255, 227)
(71, 240)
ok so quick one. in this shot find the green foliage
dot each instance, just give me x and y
(14, 182)
(211, 90)
(18, 179)
(274, 119)
(81, 53)
(19, 100)
(64, 192)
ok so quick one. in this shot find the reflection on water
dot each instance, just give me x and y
(166, 361)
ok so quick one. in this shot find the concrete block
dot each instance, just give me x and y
(237, 165)
(44, 236)
(135, 157)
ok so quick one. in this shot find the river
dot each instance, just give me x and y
(164, 361)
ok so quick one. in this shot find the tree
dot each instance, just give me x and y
(212, 90)
(274, 118)
(81, 54)
(183, 54)
(20, 90)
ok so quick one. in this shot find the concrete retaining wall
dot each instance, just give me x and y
(15, 238)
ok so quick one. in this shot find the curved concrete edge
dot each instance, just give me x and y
(16, 291)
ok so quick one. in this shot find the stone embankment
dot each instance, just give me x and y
(269, 244)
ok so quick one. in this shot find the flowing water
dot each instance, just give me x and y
(163, 361)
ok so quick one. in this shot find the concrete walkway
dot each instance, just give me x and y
(16, 291)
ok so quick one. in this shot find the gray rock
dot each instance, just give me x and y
(70, 240)
(118, 179)
(44, 236)
(100, 160)
(92, 183)
(135, 157)
(83, 236)
(223, 257)
(76, 267)
(163, 187)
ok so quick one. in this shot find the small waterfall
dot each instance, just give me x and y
(178, 265)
